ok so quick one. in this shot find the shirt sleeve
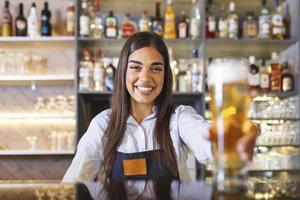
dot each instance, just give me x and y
(194, 131)
(86, 163)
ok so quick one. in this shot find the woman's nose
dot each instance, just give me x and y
(145, 74)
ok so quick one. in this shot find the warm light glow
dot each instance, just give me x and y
(37, 118)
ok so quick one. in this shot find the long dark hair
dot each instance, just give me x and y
(120, 105)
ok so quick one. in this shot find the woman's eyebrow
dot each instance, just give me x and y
(157, 63)
(135, 61)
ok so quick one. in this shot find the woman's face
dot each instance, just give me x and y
(145, 75)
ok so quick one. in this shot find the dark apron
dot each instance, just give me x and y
(152, 166)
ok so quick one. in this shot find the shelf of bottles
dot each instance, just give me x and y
(37, 48)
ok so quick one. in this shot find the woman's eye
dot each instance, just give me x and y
(135, 67)
(156, 69)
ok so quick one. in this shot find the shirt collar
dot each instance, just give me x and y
(131, 120)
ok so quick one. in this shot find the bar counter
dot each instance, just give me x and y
(159, 189)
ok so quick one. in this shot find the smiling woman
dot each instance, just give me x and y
(142, 136)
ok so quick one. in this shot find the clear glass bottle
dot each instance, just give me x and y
(109, 76)
(99, 71)
(233, 22)
(96, 26)
(264, 22)
(278, 29)
(21, 22)
(70, 19)
(253, 77)
(84, 20)
(32, 22)
(170, 26)
(195, 17)
(222, 23)
(264, 77)
(128, 27)
(182, 26)
(6, 21)
(85, 71)
(144, 22)
(250, 26)
(111, 25)
(157, 23)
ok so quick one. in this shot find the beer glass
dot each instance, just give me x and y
(227, 81)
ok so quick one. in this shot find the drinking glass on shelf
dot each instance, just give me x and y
(227, 81)
(32, 142)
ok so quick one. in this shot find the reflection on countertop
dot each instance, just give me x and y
(136, 190)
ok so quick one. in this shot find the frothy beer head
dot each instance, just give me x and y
(227, 71)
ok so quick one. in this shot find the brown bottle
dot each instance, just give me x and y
(6, 21)
(182, 26)
(276, 70)
(287, 79)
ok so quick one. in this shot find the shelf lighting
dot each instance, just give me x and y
(36, 118)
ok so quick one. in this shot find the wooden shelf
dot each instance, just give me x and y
(35, 152)
(36, 79)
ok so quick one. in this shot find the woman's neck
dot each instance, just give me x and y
(140, 111)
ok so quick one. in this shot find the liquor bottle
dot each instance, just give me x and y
(157, 23)
(170, 27)
(210, 21)
(128, 27)
(287, 22)
(287, 79)
(195, 20)
(85, 71)
(222, 23)
(264, 22)
(174, 69)
(109, 76)
(253, 77)
(70, 19)
(21, 23)
(84, 20)
(99, 71)
(182, 26)
(144, 22)
(278, 29)
(111, 25)
(6, 21)
(96, 26)
(46, 26)
(264, 77)
(275, 76)
(233, 22)
(32, 22)
(250, 26)
(197, 75)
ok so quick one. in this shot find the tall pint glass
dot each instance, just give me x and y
(227, 81)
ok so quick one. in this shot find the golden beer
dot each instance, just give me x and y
(227, 80)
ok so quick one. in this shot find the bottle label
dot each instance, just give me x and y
(127, 30)
(287, 84)
(264, 26)
(253, 79)
(211, 24)
(84, 25)
(182, 30)
(195, 28)
(144, 25)
(98, 74)
(157, 27)
(33, 29)
(111, 27)
(233, 28)
(84, 72)
(70, 21)
(264, 81)
(21, 24)
(6, 30)
(223, 28)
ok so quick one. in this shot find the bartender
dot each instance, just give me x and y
(143, 136)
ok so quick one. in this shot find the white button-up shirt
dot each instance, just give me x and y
(187, 128)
